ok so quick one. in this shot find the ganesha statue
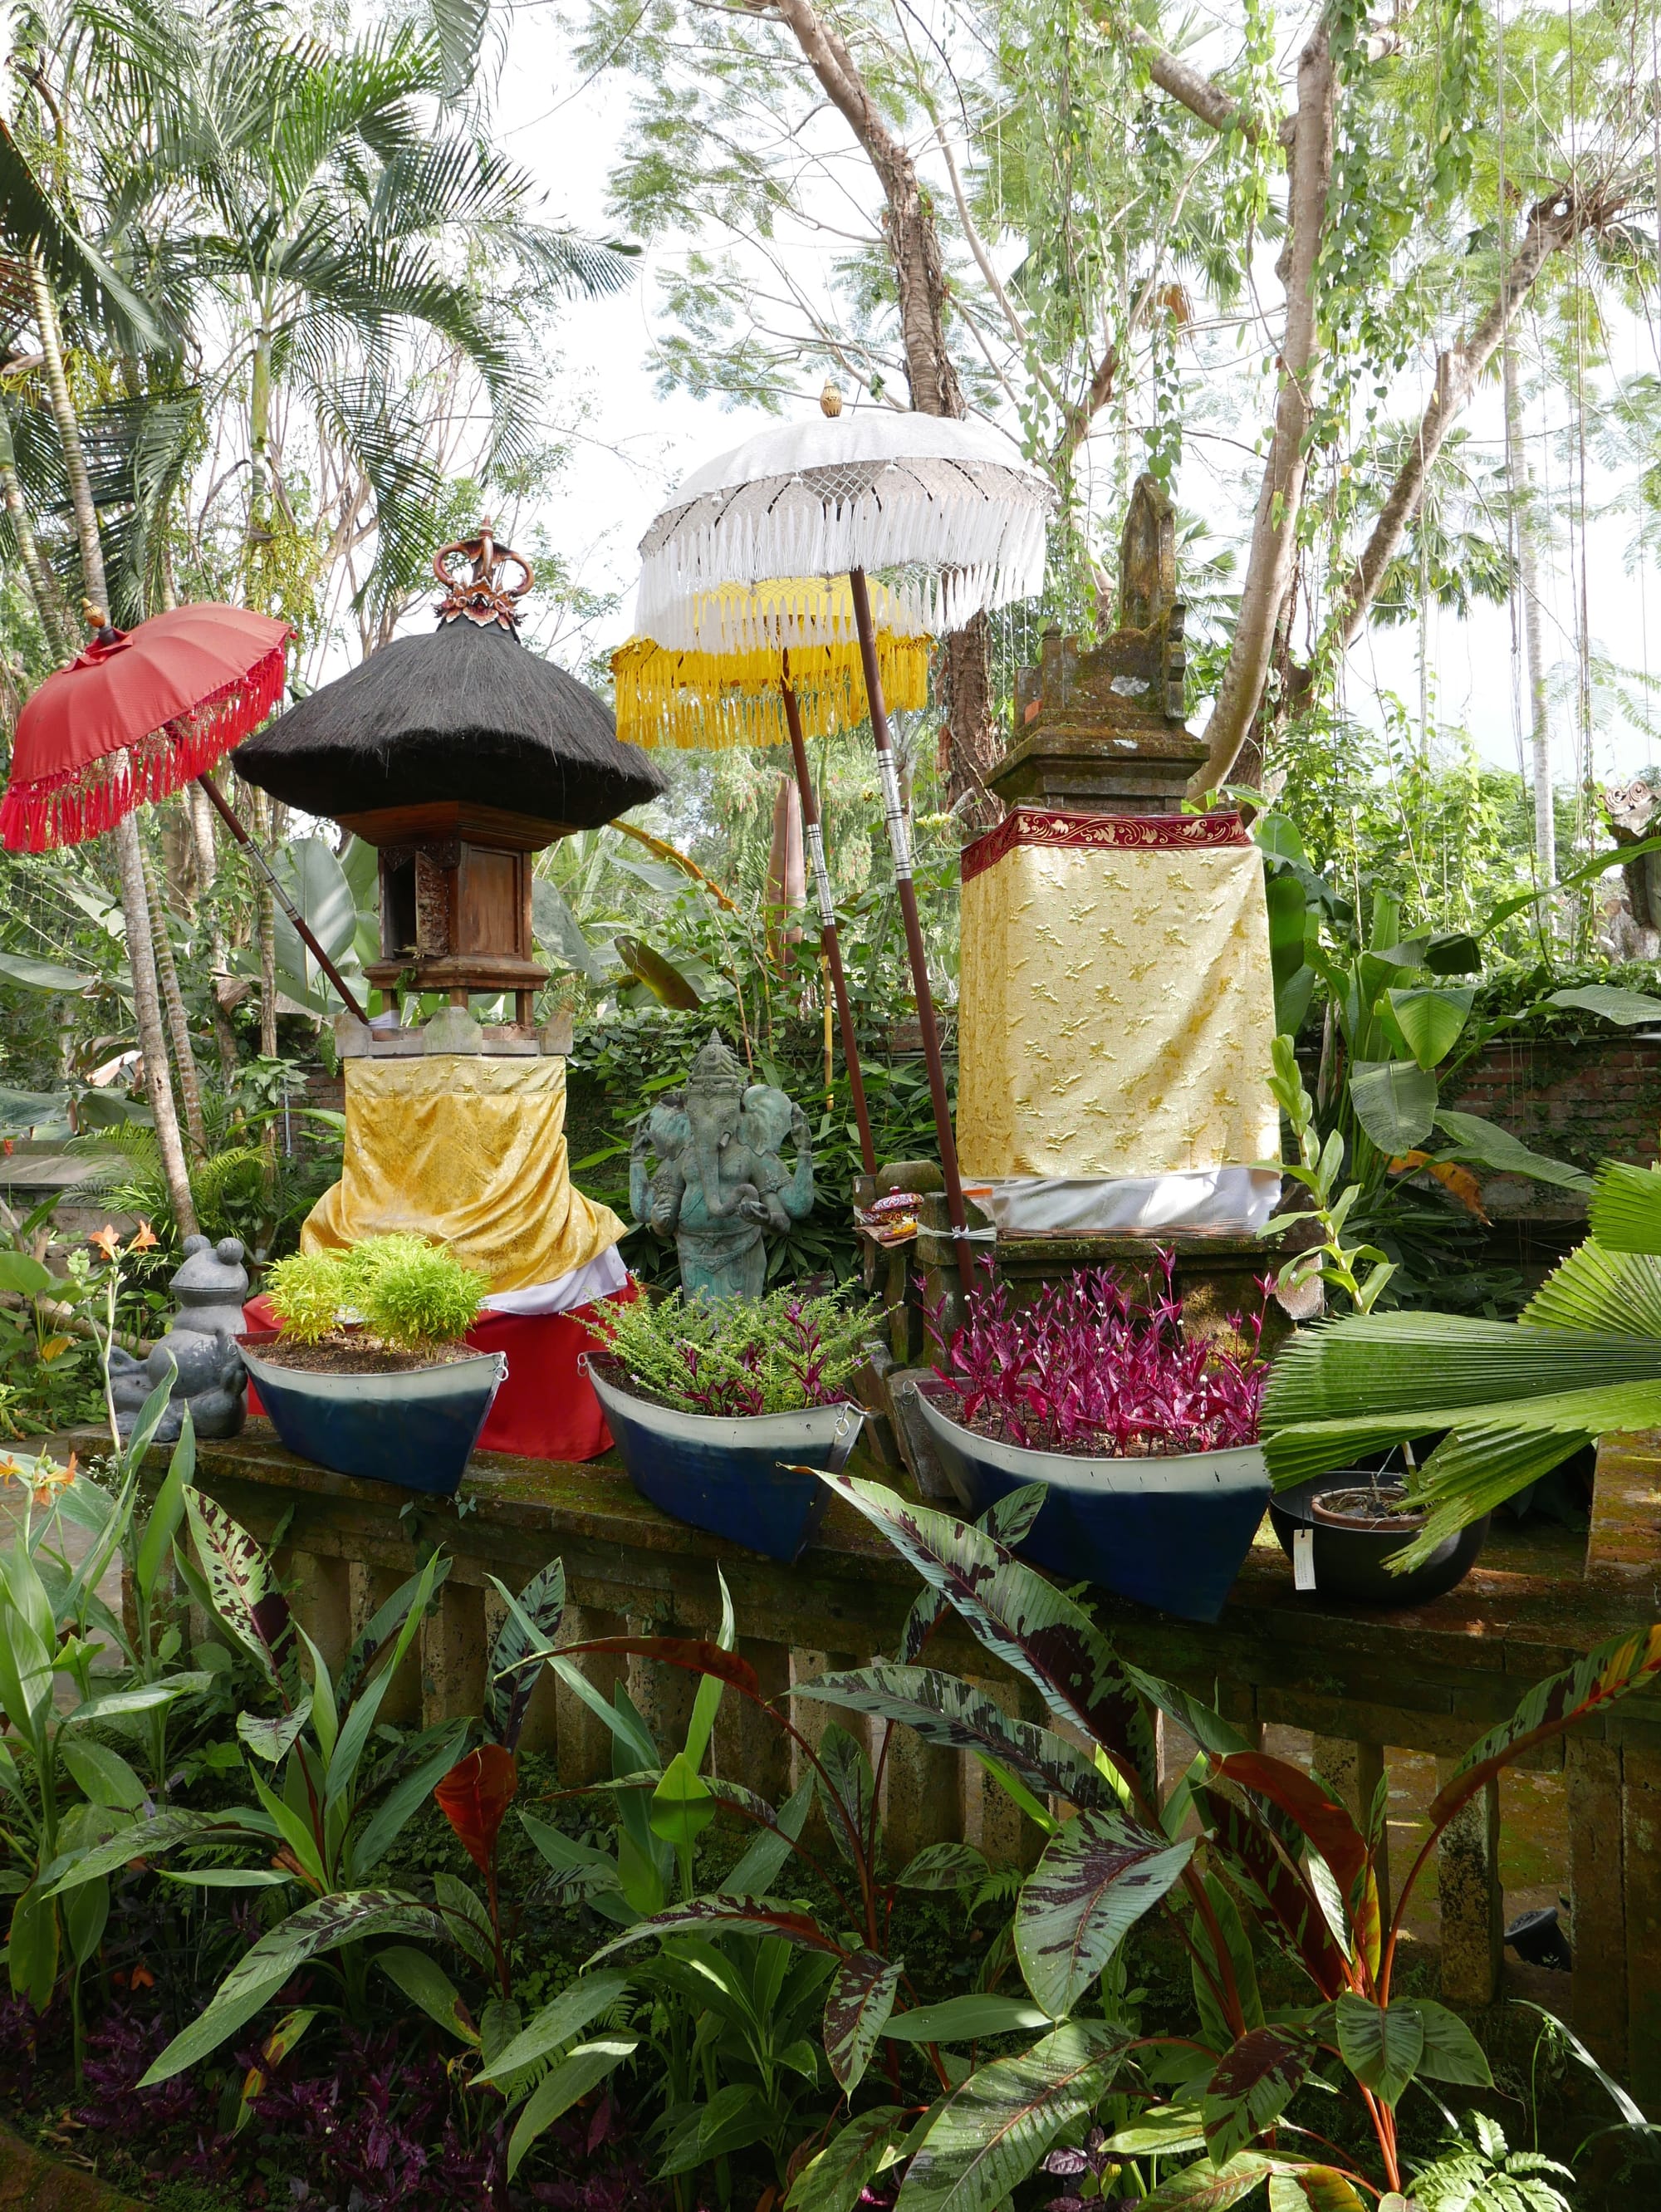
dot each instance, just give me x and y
(705, 1169)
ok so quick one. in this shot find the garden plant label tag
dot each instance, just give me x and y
(1303, 1558)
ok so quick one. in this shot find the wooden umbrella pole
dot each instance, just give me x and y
(899, 844)
(827, 931)
(227, 814)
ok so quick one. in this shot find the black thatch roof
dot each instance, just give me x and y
(465, 714)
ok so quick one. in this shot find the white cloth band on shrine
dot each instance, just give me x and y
(601, 1277)
(821, 883)
(1232, 1200)
(894, 813)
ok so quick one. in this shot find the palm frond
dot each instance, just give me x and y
(1482, 1463)
(1601, 1291)
(1625, 1209)
(31, 219)
(1373, 1368)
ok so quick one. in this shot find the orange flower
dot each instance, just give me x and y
(107, 1241)
(145, 1241)
(50, 1479)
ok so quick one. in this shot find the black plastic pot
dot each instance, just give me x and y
(1351, 1557)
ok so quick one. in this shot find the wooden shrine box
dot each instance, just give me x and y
(454, 899)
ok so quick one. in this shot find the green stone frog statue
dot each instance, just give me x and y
(705, 1169)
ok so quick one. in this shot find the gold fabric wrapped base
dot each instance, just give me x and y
(470, 1151)
(1116, 1009)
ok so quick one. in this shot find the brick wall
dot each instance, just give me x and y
(1581, 1099)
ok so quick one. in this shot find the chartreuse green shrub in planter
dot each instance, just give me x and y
(412, 1294)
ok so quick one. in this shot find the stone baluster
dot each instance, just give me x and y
(1354, 1770)
(1472, 1906)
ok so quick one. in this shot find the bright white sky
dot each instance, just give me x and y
(632, 448)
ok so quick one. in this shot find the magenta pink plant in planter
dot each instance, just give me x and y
(1146, 1440)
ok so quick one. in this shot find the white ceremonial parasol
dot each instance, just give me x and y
(950, 506)
(946, 513)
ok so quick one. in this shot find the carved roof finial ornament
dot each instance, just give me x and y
(481, 598)
(830, 400)
(1100, 727)
(1148, 558)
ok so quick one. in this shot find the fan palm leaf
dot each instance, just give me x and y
(1510, 1400)
(1625, 1209)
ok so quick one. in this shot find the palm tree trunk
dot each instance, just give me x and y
(136, 906)
(259, 448)
(178, 1027)
(43, 584)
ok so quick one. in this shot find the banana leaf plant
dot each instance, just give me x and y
(1241, 1844)
(1509, 1400)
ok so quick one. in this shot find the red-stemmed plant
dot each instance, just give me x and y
(1091, 1368)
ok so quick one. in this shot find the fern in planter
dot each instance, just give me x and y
(772, 1355)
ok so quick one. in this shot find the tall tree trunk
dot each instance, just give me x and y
(172, 999)
(200, 815)
(1275, 527)
(1522, 494)
(178, 1027)
(135, 904)
(1553, 223)
(919, 269)
(259, 449)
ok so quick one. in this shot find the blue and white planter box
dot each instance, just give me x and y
(1169, 1532)
(730, 1474)
(416, 1428)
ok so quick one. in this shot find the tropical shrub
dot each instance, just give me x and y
(1273, 1852)
(771, 1355)
(65, 1788)
(346, 1795)
(1089, 1366)
(1329, 1263)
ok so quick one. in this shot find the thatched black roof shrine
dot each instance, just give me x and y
(469, 714)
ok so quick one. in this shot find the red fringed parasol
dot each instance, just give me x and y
(137, 714)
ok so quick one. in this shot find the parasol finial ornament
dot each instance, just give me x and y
(482, 597)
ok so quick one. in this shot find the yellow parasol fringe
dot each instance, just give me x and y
(714, 700)
(710, 699)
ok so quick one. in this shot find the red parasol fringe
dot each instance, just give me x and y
(75, 804)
